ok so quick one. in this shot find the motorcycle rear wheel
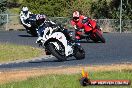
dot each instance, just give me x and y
(55, 52)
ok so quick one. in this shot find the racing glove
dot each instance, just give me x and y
(76, 28)
(86, 19)
(28, 25)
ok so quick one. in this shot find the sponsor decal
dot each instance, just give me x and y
(85, 81)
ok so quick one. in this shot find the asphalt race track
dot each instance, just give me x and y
(117, 49)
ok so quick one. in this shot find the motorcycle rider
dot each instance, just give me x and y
(24, 15)
(40, 30)
(78, 23)
(42, 24)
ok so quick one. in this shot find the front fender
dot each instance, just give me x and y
(58, 36)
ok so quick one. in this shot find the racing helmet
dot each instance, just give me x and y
(76, 15)
(40, 18)
(25, 10)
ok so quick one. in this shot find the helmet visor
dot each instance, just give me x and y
(76, 18)
(25, 12)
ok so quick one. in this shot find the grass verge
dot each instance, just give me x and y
(12, 52)
(67, 77)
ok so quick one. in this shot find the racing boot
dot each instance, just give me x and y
(39, 40)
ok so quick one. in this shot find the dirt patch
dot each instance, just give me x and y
(15, 26)
(17, 75)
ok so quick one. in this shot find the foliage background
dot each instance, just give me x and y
(3, 4)
(64, 8)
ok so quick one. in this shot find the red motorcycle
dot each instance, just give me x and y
(91, 31)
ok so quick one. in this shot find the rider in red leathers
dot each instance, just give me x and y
(90, 28)
(78, 23)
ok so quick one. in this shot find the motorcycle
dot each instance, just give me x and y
(58, 41)
(91, 31)
(33, 22)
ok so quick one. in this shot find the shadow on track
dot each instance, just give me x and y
(90, 41)
(47, 61)
(85, 41)
(26, 36)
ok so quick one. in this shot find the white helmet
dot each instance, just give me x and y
(76, 15)
(25, 10)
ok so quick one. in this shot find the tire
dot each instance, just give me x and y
(47, 52)
(94, 38)
(99, 37)
(55, 52)
(79, 53)
(33, 32)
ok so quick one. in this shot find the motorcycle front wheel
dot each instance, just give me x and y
(79, 52)
(59, 54)
(33, 32)
(97, 36)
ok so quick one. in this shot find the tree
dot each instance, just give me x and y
(57, 7)
(48, 7)
(99, 9)
(81, 5)
(13, 4)
(126, 9)
(111, 10)
(3, 4)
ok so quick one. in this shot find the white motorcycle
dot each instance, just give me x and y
(59, 42)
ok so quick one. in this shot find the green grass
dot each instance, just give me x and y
(69, 81)
(14, 11)
(12, 52)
